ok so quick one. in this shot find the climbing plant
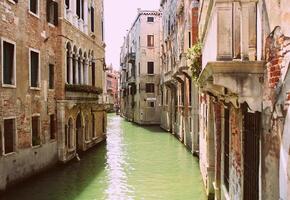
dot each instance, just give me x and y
(194, 57)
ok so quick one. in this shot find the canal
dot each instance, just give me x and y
(135, 163)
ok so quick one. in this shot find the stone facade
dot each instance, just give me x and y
(36, 98)
(179, 113)
(140, 77)
(245, 79)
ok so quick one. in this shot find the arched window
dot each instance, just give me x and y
(68, 63)
(75, 75)
(80, 68)
(70, 134)
(85, 69)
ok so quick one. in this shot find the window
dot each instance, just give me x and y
(189, 39)
(102, 23)
(92, 19)
(34, 69)
(52, 12)
(93, 74)
(150, 19)
(151, 104)
(9, 135)
(80, 9)
(150, 40)
(35, 126)
(150, 67)
(139, 70)
(34, 7)
(8, 63)
(226, 147)
(51, 76)
(149, 87)
(67, 4)
(52, 126)
(93, 126)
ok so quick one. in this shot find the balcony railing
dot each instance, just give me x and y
(131, 57)
(83, 88)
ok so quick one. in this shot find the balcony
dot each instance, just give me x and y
(78, 92)
(236, 81)
(132, 58)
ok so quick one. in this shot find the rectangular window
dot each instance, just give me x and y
(9, 135)
(34, 69)
(139, 70)
(93, 74)
(189, 39)
(78, 9)
(51, 76)
(151, 104)
(52, 12)
(150, 87)
(33, 6)
(92, 19)
(8, 62)
(150, 67)
(52, 123)
(102, 23)
(226, 147)
(150, 19)
(35, 129)
(150, 40)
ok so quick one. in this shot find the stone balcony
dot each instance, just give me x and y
(81, 92)
(234, 81)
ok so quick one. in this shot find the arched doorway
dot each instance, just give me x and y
(79, 132)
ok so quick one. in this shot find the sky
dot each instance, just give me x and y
(119, 16)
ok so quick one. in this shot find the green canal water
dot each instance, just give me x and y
(135, 163)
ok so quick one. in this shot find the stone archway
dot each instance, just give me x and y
(79, 132)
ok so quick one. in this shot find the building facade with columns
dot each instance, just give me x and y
(81, 117)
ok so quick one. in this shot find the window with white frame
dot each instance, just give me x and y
(34, 59)
(9, 135)
(8, 62)
(34, 7)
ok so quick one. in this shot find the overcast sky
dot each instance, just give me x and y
(119, 16)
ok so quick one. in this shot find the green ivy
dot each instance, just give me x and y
(194, 56)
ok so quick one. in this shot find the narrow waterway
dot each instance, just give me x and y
(135, 163)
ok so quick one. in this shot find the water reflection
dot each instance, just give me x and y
(135, 163)
(118, 188)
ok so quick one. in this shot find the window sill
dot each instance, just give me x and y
(95, 138)
(52, 140)
(33, 14)
(9, 86)
(87, 141)
(51, 90)
(71, 150)
(35, 88)
(12, 2)
(51, 25)
(9, 154)
(36, 146)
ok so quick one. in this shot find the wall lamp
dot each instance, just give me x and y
(103, 61)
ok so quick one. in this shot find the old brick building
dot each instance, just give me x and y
(179, 113)
(244, 100)
(52, 58)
